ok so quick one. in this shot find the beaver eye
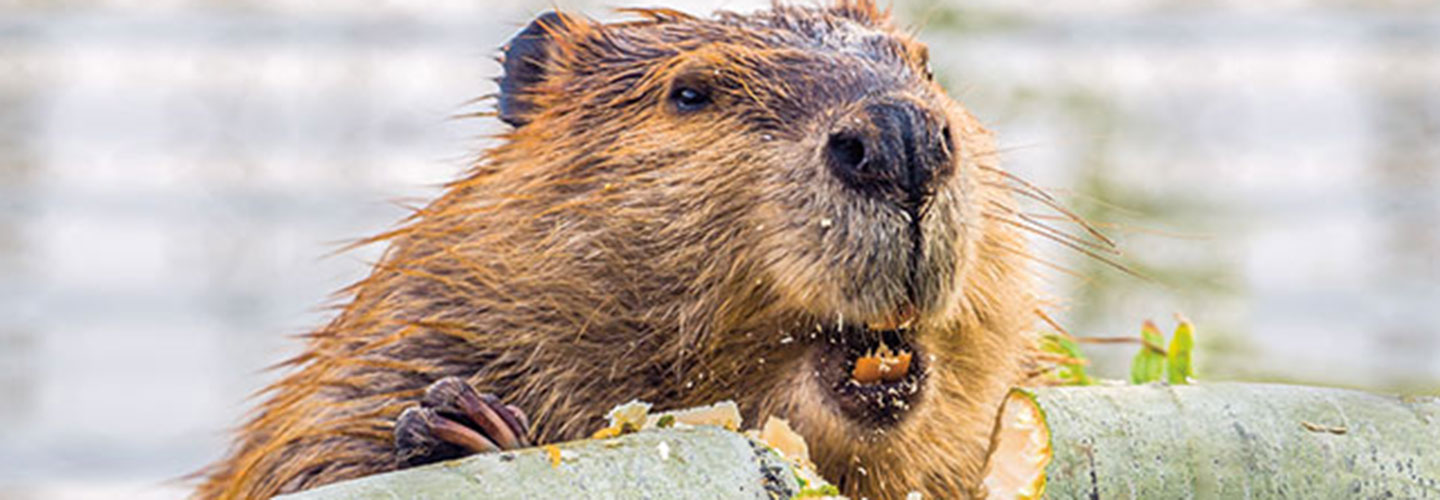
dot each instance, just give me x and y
(689, 99)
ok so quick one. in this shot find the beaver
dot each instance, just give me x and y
(682, 210)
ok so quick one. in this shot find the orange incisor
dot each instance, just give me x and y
(881, 364)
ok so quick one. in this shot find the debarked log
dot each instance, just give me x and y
(680, 463)
(1215, 440)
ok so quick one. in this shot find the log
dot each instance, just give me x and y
(1215, 440)
(695, 462)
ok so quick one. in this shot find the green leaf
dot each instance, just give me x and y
(1177, 359)
(1067, 373)
(1148, 365)
(818, 491)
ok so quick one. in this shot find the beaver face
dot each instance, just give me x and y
(806, 153)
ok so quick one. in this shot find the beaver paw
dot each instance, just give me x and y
(454, 420)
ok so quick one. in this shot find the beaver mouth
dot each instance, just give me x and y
(870, 401)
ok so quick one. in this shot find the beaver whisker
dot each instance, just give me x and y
(1028, 255)
(1036, 193)
(1041, 226)
(1087, 252)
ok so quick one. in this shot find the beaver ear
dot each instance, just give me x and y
(524, 60)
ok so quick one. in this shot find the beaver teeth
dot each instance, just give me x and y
(881, 364)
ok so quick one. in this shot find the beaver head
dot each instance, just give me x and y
(828, 122)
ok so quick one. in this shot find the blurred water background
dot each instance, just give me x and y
(173, 173)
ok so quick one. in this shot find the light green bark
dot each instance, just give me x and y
(1145, 442)
(700, 462)
(1226, 440)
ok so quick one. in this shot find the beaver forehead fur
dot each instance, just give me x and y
(614, 248)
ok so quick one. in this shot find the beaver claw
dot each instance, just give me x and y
(454, 420)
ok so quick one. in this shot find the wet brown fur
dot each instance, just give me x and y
(583, 264)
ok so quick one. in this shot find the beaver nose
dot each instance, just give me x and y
(897, 152)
